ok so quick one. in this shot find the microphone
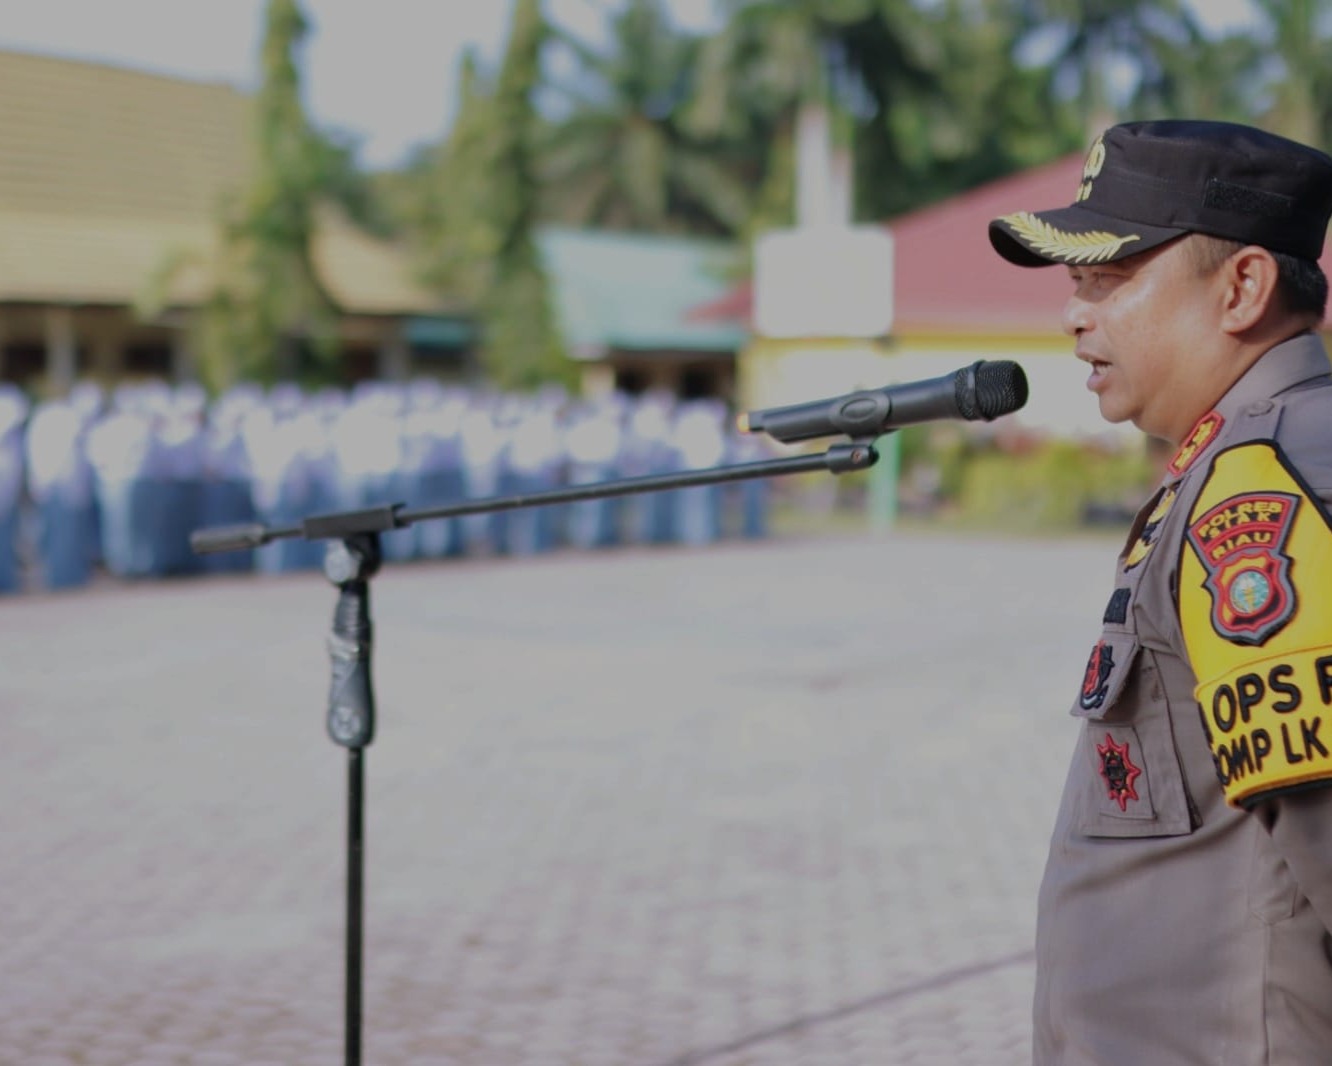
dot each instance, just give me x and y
(984, 390)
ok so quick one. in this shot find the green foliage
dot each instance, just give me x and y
(522, 345)
(1048, 488)
(267, 313)
(1097, 38)
(444, 203)
(660, 130)
(665, 131)
(271, 299)
(1205, 79)
(976, 115)
(624, 157)
(1300, 93)
(470, 207)
(523, 350)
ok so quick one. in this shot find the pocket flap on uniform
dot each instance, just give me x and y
(1131, 781)
(1108, 667)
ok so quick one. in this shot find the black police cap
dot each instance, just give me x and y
(1145, 183)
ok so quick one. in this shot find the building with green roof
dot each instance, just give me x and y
(624, 303)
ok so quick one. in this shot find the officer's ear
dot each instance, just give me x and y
(1248, 281)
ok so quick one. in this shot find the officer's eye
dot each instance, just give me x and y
(1095, 275)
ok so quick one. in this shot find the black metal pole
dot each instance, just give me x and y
(355, 900)
(349, 564)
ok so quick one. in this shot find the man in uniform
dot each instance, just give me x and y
(1185, 911)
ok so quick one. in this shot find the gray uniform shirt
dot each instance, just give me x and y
(1172, 927)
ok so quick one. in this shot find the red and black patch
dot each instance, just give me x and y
(1200, 436)
(1241, 544)
(1118, 770)
(1096, 681)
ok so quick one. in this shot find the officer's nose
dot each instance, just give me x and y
(1076, 318)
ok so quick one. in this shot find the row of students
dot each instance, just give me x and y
(121, 480)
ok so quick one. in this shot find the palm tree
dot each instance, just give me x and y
(1105, 51)
(620, 156)
(1300, 81)
(965, 113)
(1201, 77)
(768, 79)
(780, 68)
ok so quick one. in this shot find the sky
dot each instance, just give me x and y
(383, 71)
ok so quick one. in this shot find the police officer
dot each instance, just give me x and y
(1185, 915)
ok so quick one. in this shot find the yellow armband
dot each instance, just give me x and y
(1255, 606)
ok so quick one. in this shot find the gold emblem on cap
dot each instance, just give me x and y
(1095, 246)
(1091, 169)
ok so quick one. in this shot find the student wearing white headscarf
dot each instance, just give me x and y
(60, 481)
(13, 411)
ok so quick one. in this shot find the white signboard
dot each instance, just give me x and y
(824, 281)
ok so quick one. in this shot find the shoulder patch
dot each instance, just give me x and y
(1096, 678)
(1241, 542)
(1116, 611)
(1142, 545)
(1200, 436)
(1106, 674)
(1261, 653)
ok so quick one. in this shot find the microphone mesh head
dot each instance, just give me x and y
(998, 388)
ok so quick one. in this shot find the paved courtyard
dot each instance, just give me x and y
(761, 804)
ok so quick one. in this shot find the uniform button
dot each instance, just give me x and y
(1259, 407)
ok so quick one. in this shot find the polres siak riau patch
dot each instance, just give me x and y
(1241, 543)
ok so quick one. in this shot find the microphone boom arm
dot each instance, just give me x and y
(838, 459)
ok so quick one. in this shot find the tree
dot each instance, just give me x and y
(772, 69)
(620, 157)
(1217, 79)
(522, 344)
(875, 71)
(977, 115)
(266, 304)
(1106, 53)
(1301, 78)
(446, 199)
(272, 233)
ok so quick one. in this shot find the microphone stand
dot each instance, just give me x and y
(352, 558)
